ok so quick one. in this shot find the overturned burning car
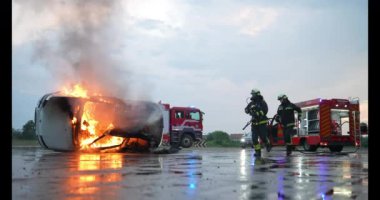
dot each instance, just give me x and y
(72, 123)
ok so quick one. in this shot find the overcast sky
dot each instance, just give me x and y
(207, 54)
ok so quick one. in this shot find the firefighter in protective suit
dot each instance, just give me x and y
(258, 109)
(285, 116)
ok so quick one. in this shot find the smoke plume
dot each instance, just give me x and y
(77, 42)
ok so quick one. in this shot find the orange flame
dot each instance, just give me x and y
(94, 129)
(77, 91)
(74, 120)
(90, 127)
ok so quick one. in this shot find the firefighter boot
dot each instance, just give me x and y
(257, 153)
(288, 150)
(257, 150)
(268, 147)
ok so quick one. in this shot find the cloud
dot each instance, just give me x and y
(221, 98)
(254, 20)
(153, 18)
(202, 53)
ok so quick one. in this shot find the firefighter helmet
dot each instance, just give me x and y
(255, 92)
(281, 96)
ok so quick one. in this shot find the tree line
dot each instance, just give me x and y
(220, 139)
(28, 131)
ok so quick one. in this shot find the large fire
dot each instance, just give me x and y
(76, 91)
(91, 124)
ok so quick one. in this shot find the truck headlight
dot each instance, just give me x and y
(242, 140)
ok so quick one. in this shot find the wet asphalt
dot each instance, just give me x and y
(195, 173)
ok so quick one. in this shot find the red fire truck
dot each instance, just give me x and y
(182, 125)
(332, 123)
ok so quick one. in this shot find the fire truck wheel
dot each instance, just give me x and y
(308, 147)
(336, 148)
(186, 141)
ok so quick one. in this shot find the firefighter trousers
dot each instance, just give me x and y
(288, 133)
(261, 131)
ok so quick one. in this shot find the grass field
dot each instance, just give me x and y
(19, 142)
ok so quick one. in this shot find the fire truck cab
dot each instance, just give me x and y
(332, 123)
(182, 125)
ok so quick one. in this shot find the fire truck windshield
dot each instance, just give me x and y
(195, 115)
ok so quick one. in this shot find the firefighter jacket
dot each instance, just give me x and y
(258, 109)
(285, 113)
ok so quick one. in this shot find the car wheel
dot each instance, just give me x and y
(336, 148)
(186, 141)
(308, 147)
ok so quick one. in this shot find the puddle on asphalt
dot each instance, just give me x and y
(87, 173)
